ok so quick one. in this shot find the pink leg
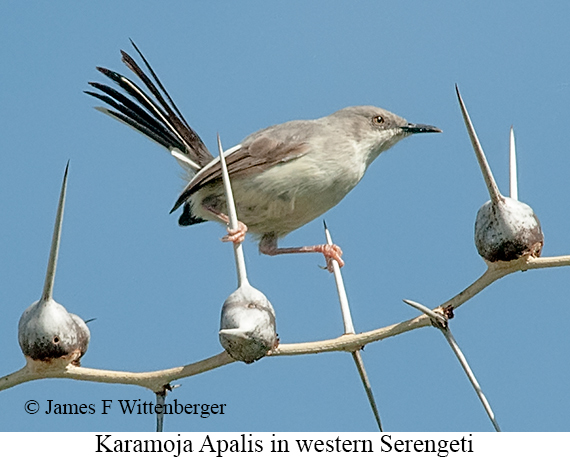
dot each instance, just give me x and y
(268, 246)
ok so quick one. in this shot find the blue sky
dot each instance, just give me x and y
(407, 229)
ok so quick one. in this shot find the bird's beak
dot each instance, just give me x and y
(420, 128)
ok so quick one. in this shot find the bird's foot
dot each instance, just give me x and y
(238, 235)
(331, 252)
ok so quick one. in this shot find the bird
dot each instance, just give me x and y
(47, 332)
(283, 176)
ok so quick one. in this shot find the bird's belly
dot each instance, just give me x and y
(279, 200)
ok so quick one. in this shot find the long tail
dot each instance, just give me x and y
(155, 116)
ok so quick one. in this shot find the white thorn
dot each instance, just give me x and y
(367, 387)
(342, 297)
(463, 361)
(47, 293)
(514, 192)
(440, 322)
(429, 312)
(235, 332)
(483, 164)
(349, 329)
(232, 215)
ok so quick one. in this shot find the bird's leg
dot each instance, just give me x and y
(268, 246)
(235, 236)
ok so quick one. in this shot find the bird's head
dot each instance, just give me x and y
(376, 129)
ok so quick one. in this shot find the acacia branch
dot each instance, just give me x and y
(157, 380)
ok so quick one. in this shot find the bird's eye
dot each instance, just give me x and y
(378, 119)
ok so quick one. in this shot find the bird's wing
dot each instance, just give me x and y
(158, 118)
(256, 156)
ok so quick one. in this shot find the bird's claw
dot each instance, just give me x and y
(332, 252)
(236, 236)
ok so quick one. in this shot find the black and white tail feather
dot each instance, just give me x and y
(155, 116)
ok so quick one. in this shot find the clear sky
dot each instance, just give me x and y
(156, 289)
